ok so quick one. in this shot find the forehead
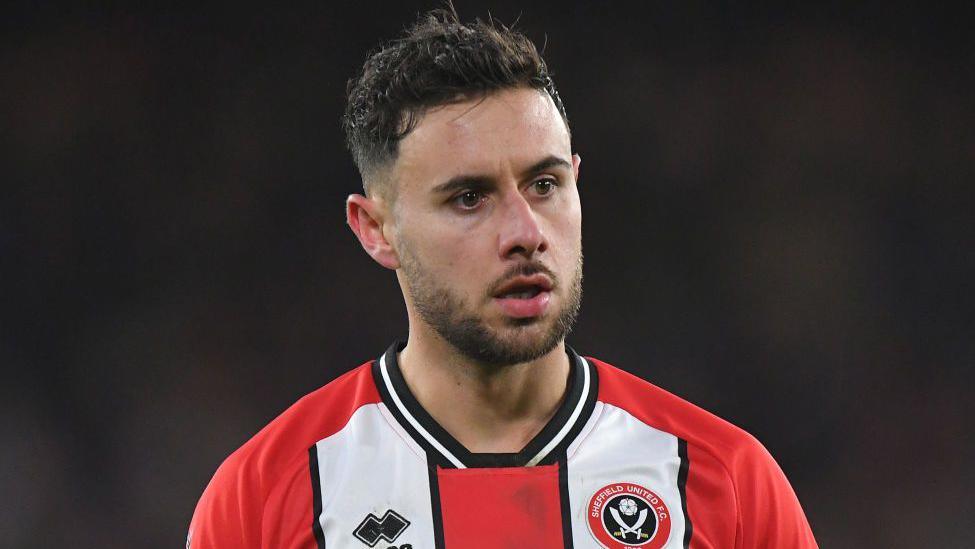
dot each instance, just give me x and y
(505, 130)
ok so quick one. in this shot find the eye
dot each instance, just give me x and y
(469, 200)
(544, 186)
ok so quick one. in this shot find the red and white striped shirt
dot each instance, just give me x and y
(359, 463)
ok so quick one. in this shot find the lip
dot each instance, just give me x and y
(540, 280)
(525, 307)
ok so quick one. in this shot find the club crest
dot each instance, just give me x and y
(622, 515)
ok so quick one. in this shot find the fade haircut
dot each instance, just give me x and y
(437, 61)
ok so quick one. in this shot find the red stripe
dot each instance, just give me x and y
(501, 507)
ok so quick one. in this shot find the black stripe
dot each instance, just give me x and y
(434, 457)
(560, 449)
(573, 394)
(519, 459)
(316, 490)
(435, 507)
(563, 465)
(685, 465)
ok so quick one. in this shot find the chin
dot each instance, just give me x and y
(524, 322)
(526, 333)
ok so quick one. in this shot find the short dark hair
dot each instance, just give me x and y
(437, 61)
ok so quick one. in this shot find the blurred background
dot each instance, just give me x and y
(778, 227)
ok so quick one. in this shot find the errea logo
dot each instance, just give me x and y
(373, 529)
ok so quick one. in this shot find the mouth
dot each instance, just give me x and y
(526, 293)
(524, 296)
(524, 287)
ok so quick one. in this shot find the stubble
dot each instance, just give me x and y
(452, 318)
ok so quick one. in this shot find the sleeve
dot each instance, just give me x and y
(229, 513)
(768, 510)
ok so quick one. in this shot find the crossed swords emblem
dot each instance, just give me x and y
(637, 527)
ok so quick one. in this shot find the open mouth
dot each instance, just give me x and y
(525, 296)
(524, 287)
(527, 292)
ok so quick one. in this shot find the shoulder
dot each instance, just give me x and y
(317, 415)
(233, 502)
(733, 457)
(734, 483)
(667, 412)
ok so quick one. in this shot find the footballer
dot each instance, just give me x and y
(482, 428)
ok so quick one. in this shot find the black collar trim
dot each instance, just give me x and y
(442, 449)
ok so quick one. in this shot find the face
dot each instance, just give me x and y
(487, 226)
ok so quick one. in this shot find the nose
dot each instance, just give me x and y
(520, 233)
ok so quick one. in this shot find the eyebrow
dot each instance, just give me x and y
(481, 181)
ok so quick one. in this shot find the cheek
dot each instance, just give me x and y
(567, 228)
(454, 260)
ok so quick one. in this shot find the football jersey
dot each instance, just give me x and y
(622, 464)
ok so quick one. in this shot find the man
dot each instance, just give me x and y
(483, 429)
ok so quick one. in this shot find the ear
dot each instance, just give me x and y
(366, 217)
(576, 161)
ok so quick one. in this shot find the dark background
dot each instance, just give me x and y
(778, 227)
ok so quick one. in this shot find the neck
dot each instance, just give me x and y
(488, 409)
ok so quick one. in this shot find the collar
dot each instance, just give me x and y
(442, 449)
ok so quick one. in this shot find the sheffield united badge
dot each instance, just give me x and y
(625, 515)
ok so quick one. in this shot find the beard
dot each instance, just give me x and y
(517, 341)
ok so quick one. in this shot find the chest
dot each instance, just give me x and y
(618, 486)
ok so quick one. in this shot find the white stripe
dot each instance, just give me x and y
(572, 419)
(396, 426)
(416, 424)
(622, 448)
(586, 430)
(396, 478)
